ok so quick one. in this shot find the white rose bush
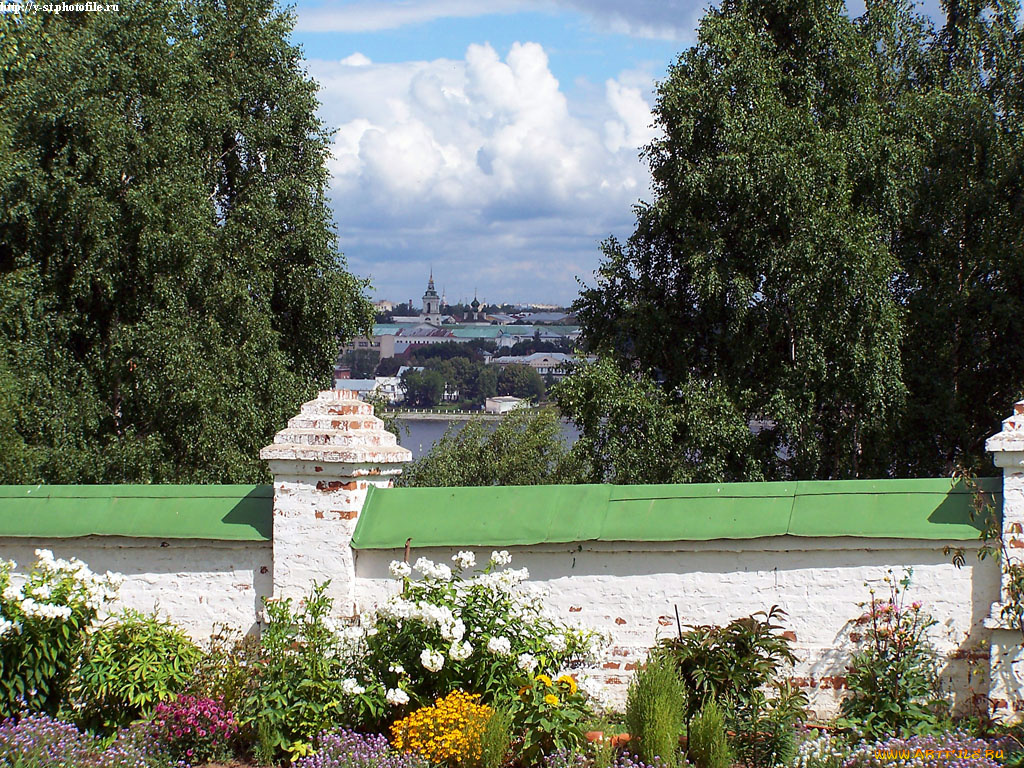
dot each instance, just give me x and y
(463, 627)
(43, 621)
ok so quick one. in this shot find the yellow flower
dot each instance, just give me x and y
(543, 679)
(448, 732)
(551, 699)
(524, 692)
(567, 680)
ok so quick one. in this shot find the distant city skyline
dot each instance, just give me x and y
(496, 141)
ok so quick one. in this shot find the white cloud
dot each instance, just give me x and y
(479, 164)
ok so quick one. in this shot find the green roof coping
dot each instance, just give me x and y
(929, 509)
(216, 512)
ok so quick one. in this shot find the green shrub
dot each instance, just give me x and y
(656, 710)
(129, 664)
(42, 626)
(707, 745)
(893, 678)
(734, 666)
(301, 682)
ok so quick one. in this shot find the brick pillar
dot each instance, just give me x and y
(323, 464)
(1006, 670)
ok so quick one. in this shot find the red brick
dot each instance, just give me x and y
(620, 621)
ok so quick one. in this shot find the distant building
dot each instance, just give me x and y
(384, 305)
(556, 364)
(503, 404)
(431, 304)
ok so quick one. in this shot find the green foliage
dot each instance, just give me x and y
(656, 706)
(525, 448)
(546, 715)
(300, 687)
(170, 285)
(423, 389)
(520, 381)
(454, 631)
(893, 678)
(129, 664)
(43, 623)
(740, 666)
(496, 740)
(832, 253)
(225, 668)
(707, 745)
(627, 429)
(733, 661)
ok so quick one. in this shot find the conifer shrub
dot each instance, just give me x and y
(656, 710)
(708, 745)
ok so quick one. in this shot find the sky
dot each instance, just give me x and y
(495, 142)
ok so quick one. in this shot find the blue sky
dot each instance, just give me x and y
(495, 141)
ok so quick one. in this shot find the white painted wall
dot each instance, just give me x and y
(629, 591)
(197, 583)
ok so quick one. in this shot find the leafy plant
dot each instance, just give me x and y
(656, 710)
(707, 745)
(129, 664)
(194, 730)
(893, 679)
(547, 715)
(740, 666)
(450, 732)
(450, 631)
(733, 661)
(301, 684)
(42, 625)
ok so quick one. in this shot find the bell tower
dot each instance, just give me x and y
(431, 303)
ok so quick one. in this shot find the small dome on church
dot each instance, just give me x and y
(475, 304)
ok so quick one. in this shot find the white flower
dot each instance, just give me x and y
(6, 626)
(352, 634)
(501, 558)
(432, 661)
(352, 687)
(398, 669)
(40, 591)
(430, 570)
(12, 593)
(460, 651)
(464, 559)
(557, 643)
(396, 697)
(500, 646)
(399, 569)
(526, 662)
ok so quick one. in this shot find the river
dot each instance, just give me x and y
(419, 435)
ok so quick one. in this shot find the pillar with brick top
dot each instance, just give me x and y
(1006, 670)
(323, 463)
